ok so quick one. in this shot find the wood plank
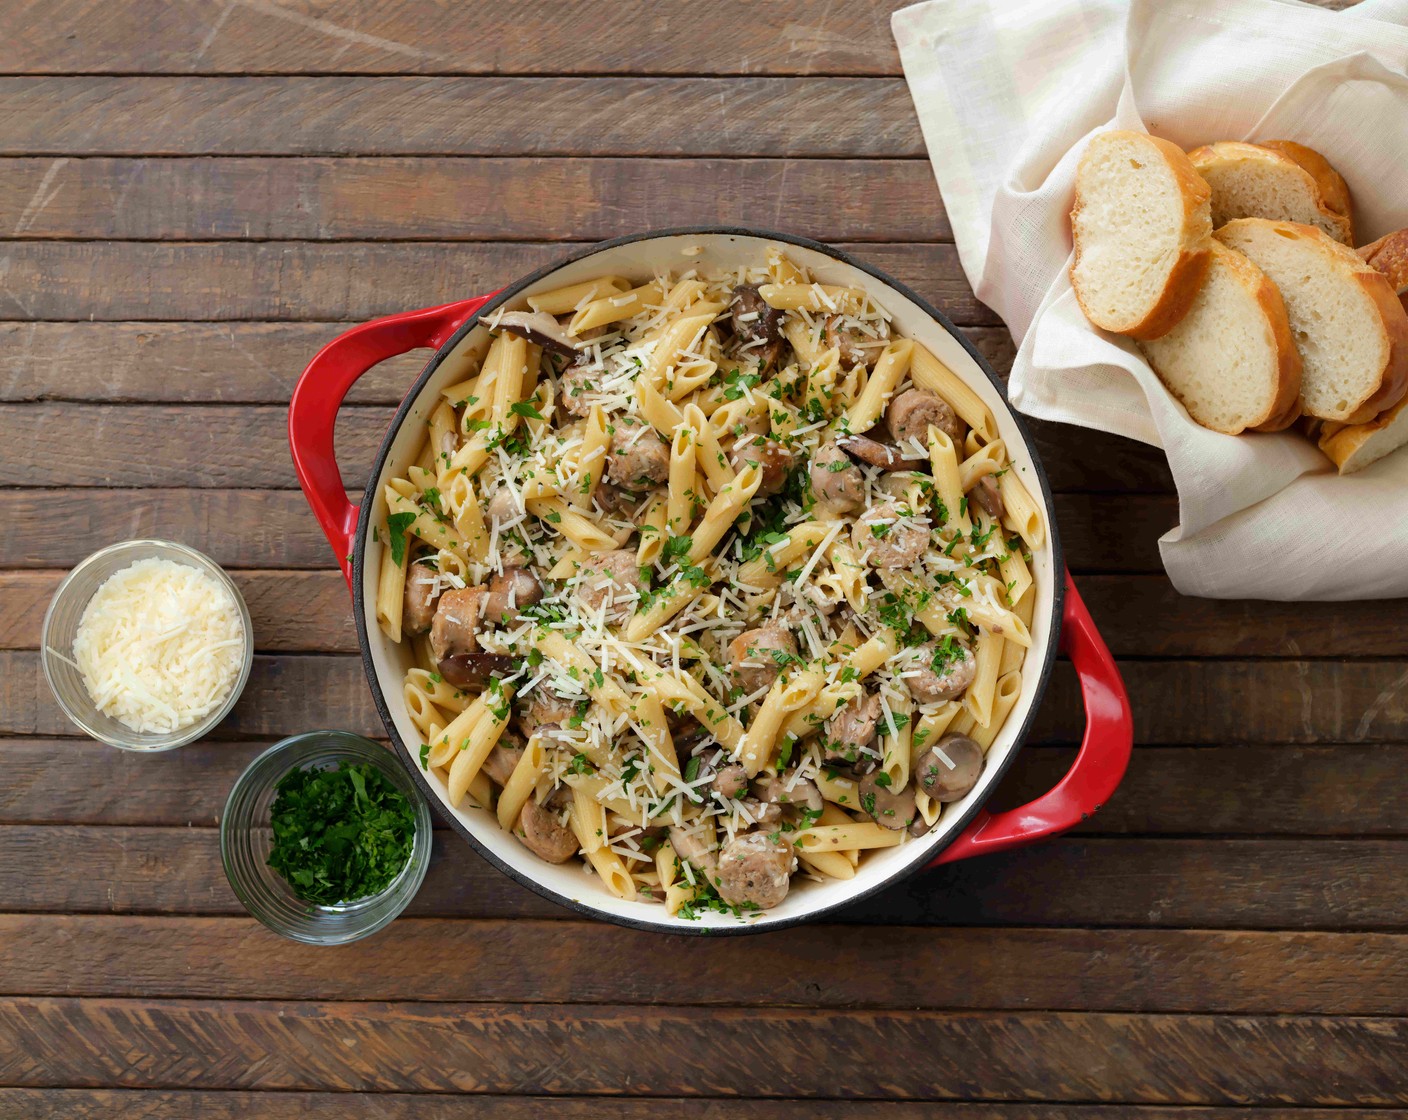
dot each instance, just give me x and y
(273, 528)
(1174, 702)
(1144, 616)
(625, 116)
(1337, 790)
(463, 199)
(246, 446)
(173, 363)
(415, 36)
(232, 362)
(297, 280)
(812, 966)
(1343, 789)
(696, 1051)
(191, 1104)
(1293, 884)
(1138, 616)
(291, 611)
(234, 527)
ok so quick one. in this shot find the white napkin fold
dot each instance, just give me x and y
(1008, 91)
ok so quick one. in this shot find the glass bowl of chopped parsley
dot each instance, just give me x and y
(324, 838)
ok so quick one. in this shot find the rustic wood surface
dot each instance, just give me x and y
(197, 194)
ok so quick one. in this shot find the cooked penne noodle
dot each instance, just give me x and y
(561, 301)
(889, 370)
(1009, 687)
(980, 693)
(1021, 514)
(927, 372)
(612, 308)
(813, 297)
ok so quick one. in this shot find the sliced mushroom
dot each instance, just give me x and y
(771, 458)
(474, 670)
(856, 348)
(889, 808)
(788, 791)
(890, 536)
(422, 593)
(950, 768)
(503, 759)
(757, 325)
(755, 871)
(989, 496)
(612, 579)
(509, 592)
(912, 413)
(456, 622)
(852, 730)
(944, 672)
(639, 458)
(751, 656)
(730, 781)
(544, 834)
(883, 455)
(691, 845)
(764, 814)
(503, 506)
(544, 711)
(537, 327)
(836, 481)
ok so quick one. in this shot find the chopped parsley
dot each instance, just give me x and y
(340, 834)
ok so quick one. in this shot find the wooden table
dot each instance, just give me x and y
(195, 195)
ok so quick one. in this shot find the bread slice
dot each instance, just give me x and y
(1353, 447)
(1142, 231)
(1231, 361)
(1351, 330)
(1262, 181)
(1389, 255)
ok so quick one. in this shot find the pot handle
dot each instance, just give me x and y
(1098, 768)
(312, 411)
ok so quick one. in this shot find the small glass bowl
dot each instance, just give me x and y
(61, 626)
(246, 838)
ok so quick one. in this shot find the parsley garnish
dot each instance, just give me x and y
(396, 526)
(525, 409)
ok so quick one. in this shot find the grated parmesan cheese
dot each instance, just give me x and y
(160, 646)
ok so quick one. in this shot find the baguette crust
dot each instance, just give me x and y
(1354, 447)
(1395, 319)
(1284, 408)
(1389, 255)
(1211, 158)
(1333, 189)
(1186, 276)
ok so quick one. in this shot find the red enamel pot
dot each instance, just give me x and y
(1060, 622)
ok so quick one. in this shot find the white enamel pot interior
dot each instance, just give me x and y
(639, 258)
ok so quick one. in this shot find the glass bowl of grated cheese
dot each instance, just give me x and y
(147, 645)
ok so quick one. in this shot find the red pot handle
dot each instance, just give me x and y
(1098, 768)
(318, 395)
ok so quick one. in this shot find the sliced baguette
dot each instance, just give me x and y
(1351, 330)
(1231, 361)
(1389, 255)
(1142, 232)
(1271, 181)
(1355, 446)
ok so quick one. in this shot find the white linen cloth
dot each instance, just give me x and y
(1008, 91)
